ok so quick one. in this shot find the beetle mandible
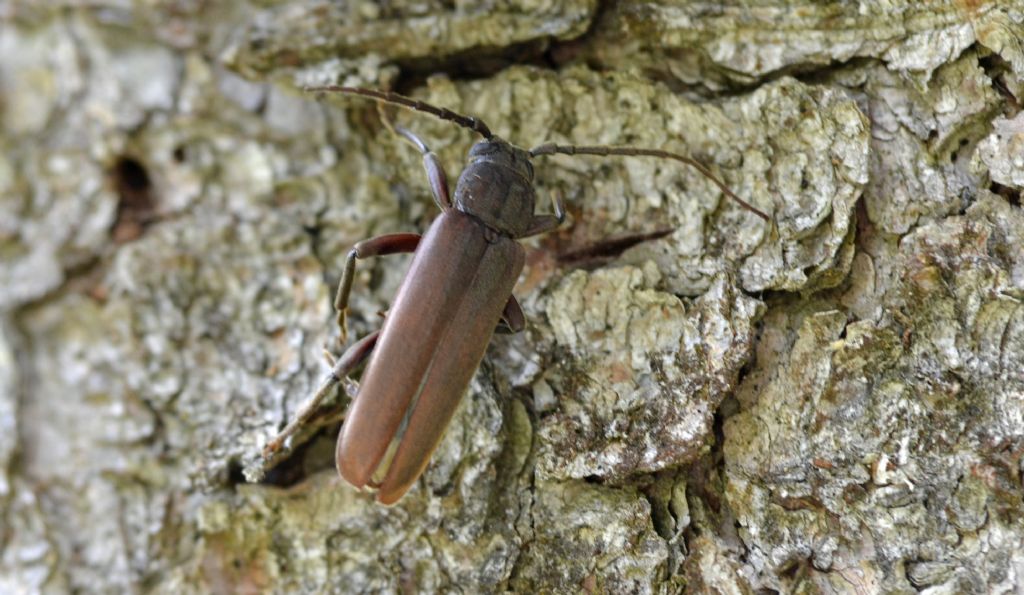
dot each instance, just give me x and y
(456, 294)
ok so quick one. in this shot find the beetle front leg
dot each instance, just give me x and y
(545, 223)
(392, 243)
(353, 357)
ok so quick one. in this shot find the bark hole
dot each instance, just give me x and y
(136, 206)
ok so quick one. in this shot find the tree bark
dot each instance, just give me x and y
(702, 401)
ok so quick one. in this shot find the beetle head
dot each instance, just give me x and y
(501, 152)
(497, 186)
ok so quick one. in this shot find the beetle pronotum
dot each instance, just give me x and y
(457, 292)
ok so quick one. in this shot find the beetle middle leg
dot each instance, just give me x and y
(392, 243)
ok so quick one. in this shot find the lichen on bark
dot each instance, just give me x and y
(878, 434)
(703, 402)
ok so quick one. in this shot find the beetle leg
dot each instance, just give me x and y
(353, 357)
(512, 318)
(545, 223)
(435, 169)
(392, 243)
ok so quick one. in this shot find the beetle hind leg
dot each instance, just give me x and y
(353, 357)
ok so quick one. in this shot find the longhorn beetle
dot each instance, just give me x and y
(457, 293)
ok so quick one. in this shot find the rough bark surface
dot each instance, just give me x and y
(702, 402)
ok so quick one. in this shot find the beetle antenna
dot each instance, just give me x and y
(475, 124)
(552, 148)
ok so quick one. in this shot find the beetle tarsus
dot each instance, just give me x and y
(558, 204)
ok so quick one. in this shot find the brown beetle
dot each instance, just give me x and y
(457, 291)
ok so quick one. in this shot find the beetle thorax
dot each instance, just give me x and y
(497, 187)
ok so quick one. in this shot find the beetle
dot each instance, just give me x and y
(455, 295)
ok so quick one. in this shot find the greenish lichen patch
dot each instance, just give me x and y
(1002, 152)
(590, 538)
(922, 136)
(711, 568)
(321, 533)
(890, 435)
(358, 39)
(649, 374)
(731, 42)
(816, 172)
